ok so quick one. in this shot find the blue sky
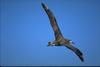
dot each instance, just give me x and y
(25, 31)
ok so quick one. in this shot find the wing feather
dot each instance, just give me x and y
(76, 51)
(57, 32)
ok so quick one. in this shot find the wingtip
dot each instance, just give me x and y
(81, 58)
(44, 6)
(80, 55)
(42, 3)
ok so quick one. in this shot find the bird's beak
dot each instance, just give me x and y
(48, 45)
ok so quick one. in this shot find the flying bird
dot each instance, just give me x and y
(59, 39)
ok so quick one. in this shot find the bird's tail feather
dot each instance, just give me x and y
(76, 51)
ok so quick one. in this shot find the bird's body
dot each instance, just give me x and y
(59, 39)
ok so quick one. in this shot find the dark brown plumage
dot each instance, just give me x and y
(59, 39)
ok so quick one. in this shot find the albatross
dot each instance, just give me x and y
(59, 39)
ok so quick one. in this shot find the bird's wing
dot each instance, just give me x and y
(57, 32)
(76, 51)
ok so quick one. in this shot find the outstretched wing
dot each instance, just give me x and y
(76, 51)
(53, 22)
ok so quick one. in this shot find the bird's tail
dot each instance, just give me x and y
(76, 51)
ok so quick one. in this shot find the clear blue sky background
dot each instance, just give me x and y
(25, 31)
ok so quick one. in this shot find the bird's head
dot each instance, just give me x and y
(51, 44)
